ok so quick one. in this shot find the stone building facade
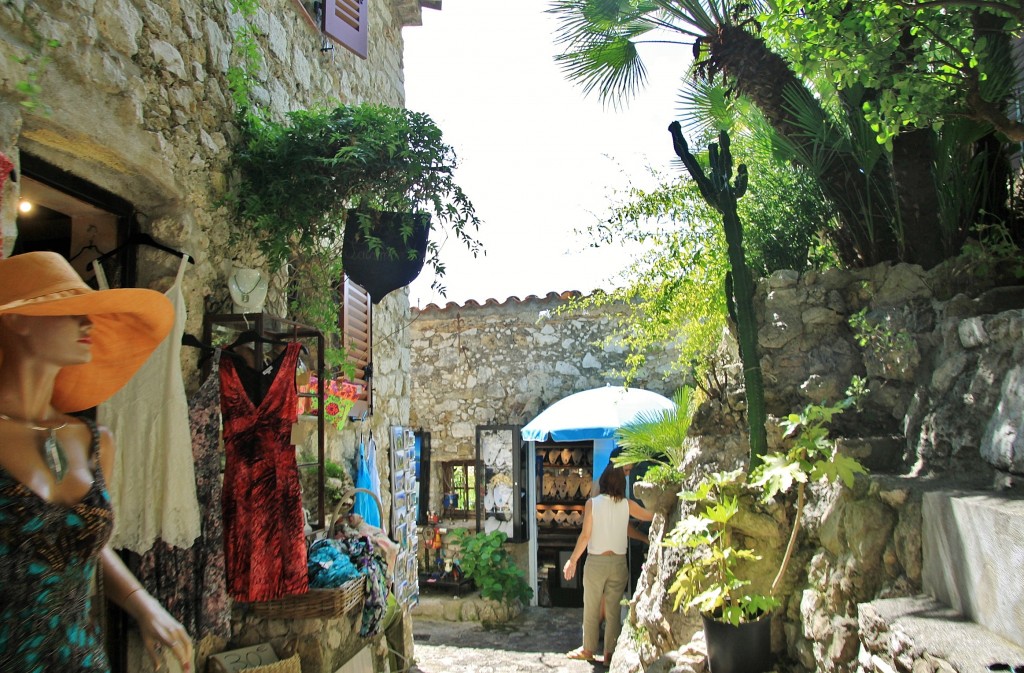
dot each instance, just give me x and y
(132, 97)
(502, 363)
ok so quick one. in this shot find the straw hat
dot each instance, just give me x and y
(128, 324)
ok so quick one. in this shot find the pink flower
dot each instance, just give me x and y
(332, 409)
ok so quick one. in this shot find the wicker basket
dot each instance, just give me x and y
(315, 603)
(321, 603)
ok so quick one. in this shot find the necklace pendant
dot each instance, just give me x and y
(54, 456)
(245, 297)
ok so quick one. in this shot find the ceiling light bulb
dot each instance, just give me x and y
(25, 206)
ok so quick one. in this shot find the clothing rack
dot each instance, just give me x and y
(267, 329)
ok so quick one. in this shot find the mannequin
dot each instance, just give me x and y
(64, 348)
(248, 288)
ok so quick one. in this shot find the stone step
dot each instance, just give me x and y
(920, 634)
(973, 556)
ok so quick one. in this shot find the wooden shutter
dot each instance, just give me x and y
(356, 339)
(345, 22)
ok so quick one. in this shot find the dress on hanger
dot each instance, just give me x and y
(190, 583)
(48, 555)
(153, 488)
(264, 544)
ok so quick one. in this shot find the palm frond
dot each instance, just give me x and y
(705, 107)
(599, 38)
(658, 436)
(613, 69)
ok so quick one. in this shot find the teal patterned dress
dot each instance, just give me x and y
(48, 557)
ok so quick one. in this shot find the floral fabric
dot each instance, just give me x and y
(191, 583)
(48, 558)
(264, 538)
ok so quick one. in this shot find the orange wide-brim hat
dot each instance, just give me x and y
(128, 324)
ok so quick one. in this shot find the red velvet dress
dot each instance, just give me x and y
(264, 546)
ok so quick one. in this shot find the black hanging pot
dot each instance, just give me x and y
(394, 262)
(746, 648)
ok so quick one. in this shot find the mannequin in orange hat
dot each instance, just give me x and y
(63, 348)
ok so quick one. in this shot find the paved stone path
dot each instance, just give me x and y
(536, 642)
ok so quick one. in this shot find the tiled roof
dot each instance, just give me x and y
(550, 297)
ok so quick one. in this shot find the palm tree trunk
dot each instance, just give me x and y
(864, 207)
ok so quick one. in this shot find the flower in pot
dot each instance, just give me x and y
(708, 579)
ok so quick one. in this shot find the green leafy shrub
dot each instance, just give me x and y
(708, 580)
(486, 561)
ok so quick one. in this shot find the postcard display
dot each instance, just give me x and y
(501, 481)
(405, 494)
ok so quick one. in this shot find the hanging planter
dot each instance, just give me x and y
(384, 251)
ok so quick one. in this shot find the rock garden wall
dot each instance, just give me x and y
(943, 353)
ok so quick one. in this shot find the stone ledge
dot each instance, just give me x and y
(972, 554)
(468, 608)
(920, 634)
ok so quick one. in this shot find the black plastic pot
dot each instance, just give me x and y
(746, 648)
(396, 262)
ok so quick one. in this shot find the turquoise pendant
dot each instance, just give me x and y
(53, 455)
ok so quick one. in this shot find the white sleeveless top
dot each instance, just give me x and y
(609, 522)
(153, 489)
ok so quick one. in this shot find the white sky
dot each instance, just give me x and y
(537, 159)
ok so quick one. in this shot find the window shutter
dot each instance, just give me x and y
(356, 339)
(345, 21)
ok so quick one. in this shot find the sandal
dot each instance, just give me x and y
(580, 654)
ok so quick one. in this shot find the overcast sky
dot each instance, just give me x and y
(537, 159)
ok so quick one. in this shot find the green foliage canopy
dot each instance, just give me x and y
(926, 61)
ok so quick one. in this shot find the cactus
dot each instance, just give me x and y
(722, 196)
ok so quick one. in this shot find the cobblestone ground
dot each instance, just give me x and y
(536, 642)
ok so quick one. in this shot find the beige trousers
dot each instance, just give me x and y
(603, 577)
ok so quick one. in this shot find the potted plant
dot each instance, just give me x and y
(709, 578)
(485, 560)
(302, 183)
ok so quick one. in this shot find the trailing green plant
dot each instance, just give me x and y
(878, 336)
(313, 298)
(658, 437)
(242, 75)
(708, 579)
(485, 560)
(299, 178)
(718, 190)
(994, 251)
(35, 61)
(811, 457)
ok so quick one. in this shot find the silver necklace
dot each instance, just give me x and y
(245, 293)
(52, 451)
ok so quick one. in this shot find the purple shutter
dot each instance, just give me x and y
(345, 21)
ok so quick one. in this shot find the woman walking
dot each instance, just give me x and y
(605, 573)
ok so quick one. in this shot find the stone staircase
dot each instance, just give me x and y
(972, 616)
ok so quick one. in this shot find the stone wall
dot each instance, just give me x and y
(944, 411)
(502, 363)
(135, 100)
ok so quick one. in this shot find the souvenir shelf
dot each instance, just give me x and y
(501, 481)
(564, 472)
(221, 329)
